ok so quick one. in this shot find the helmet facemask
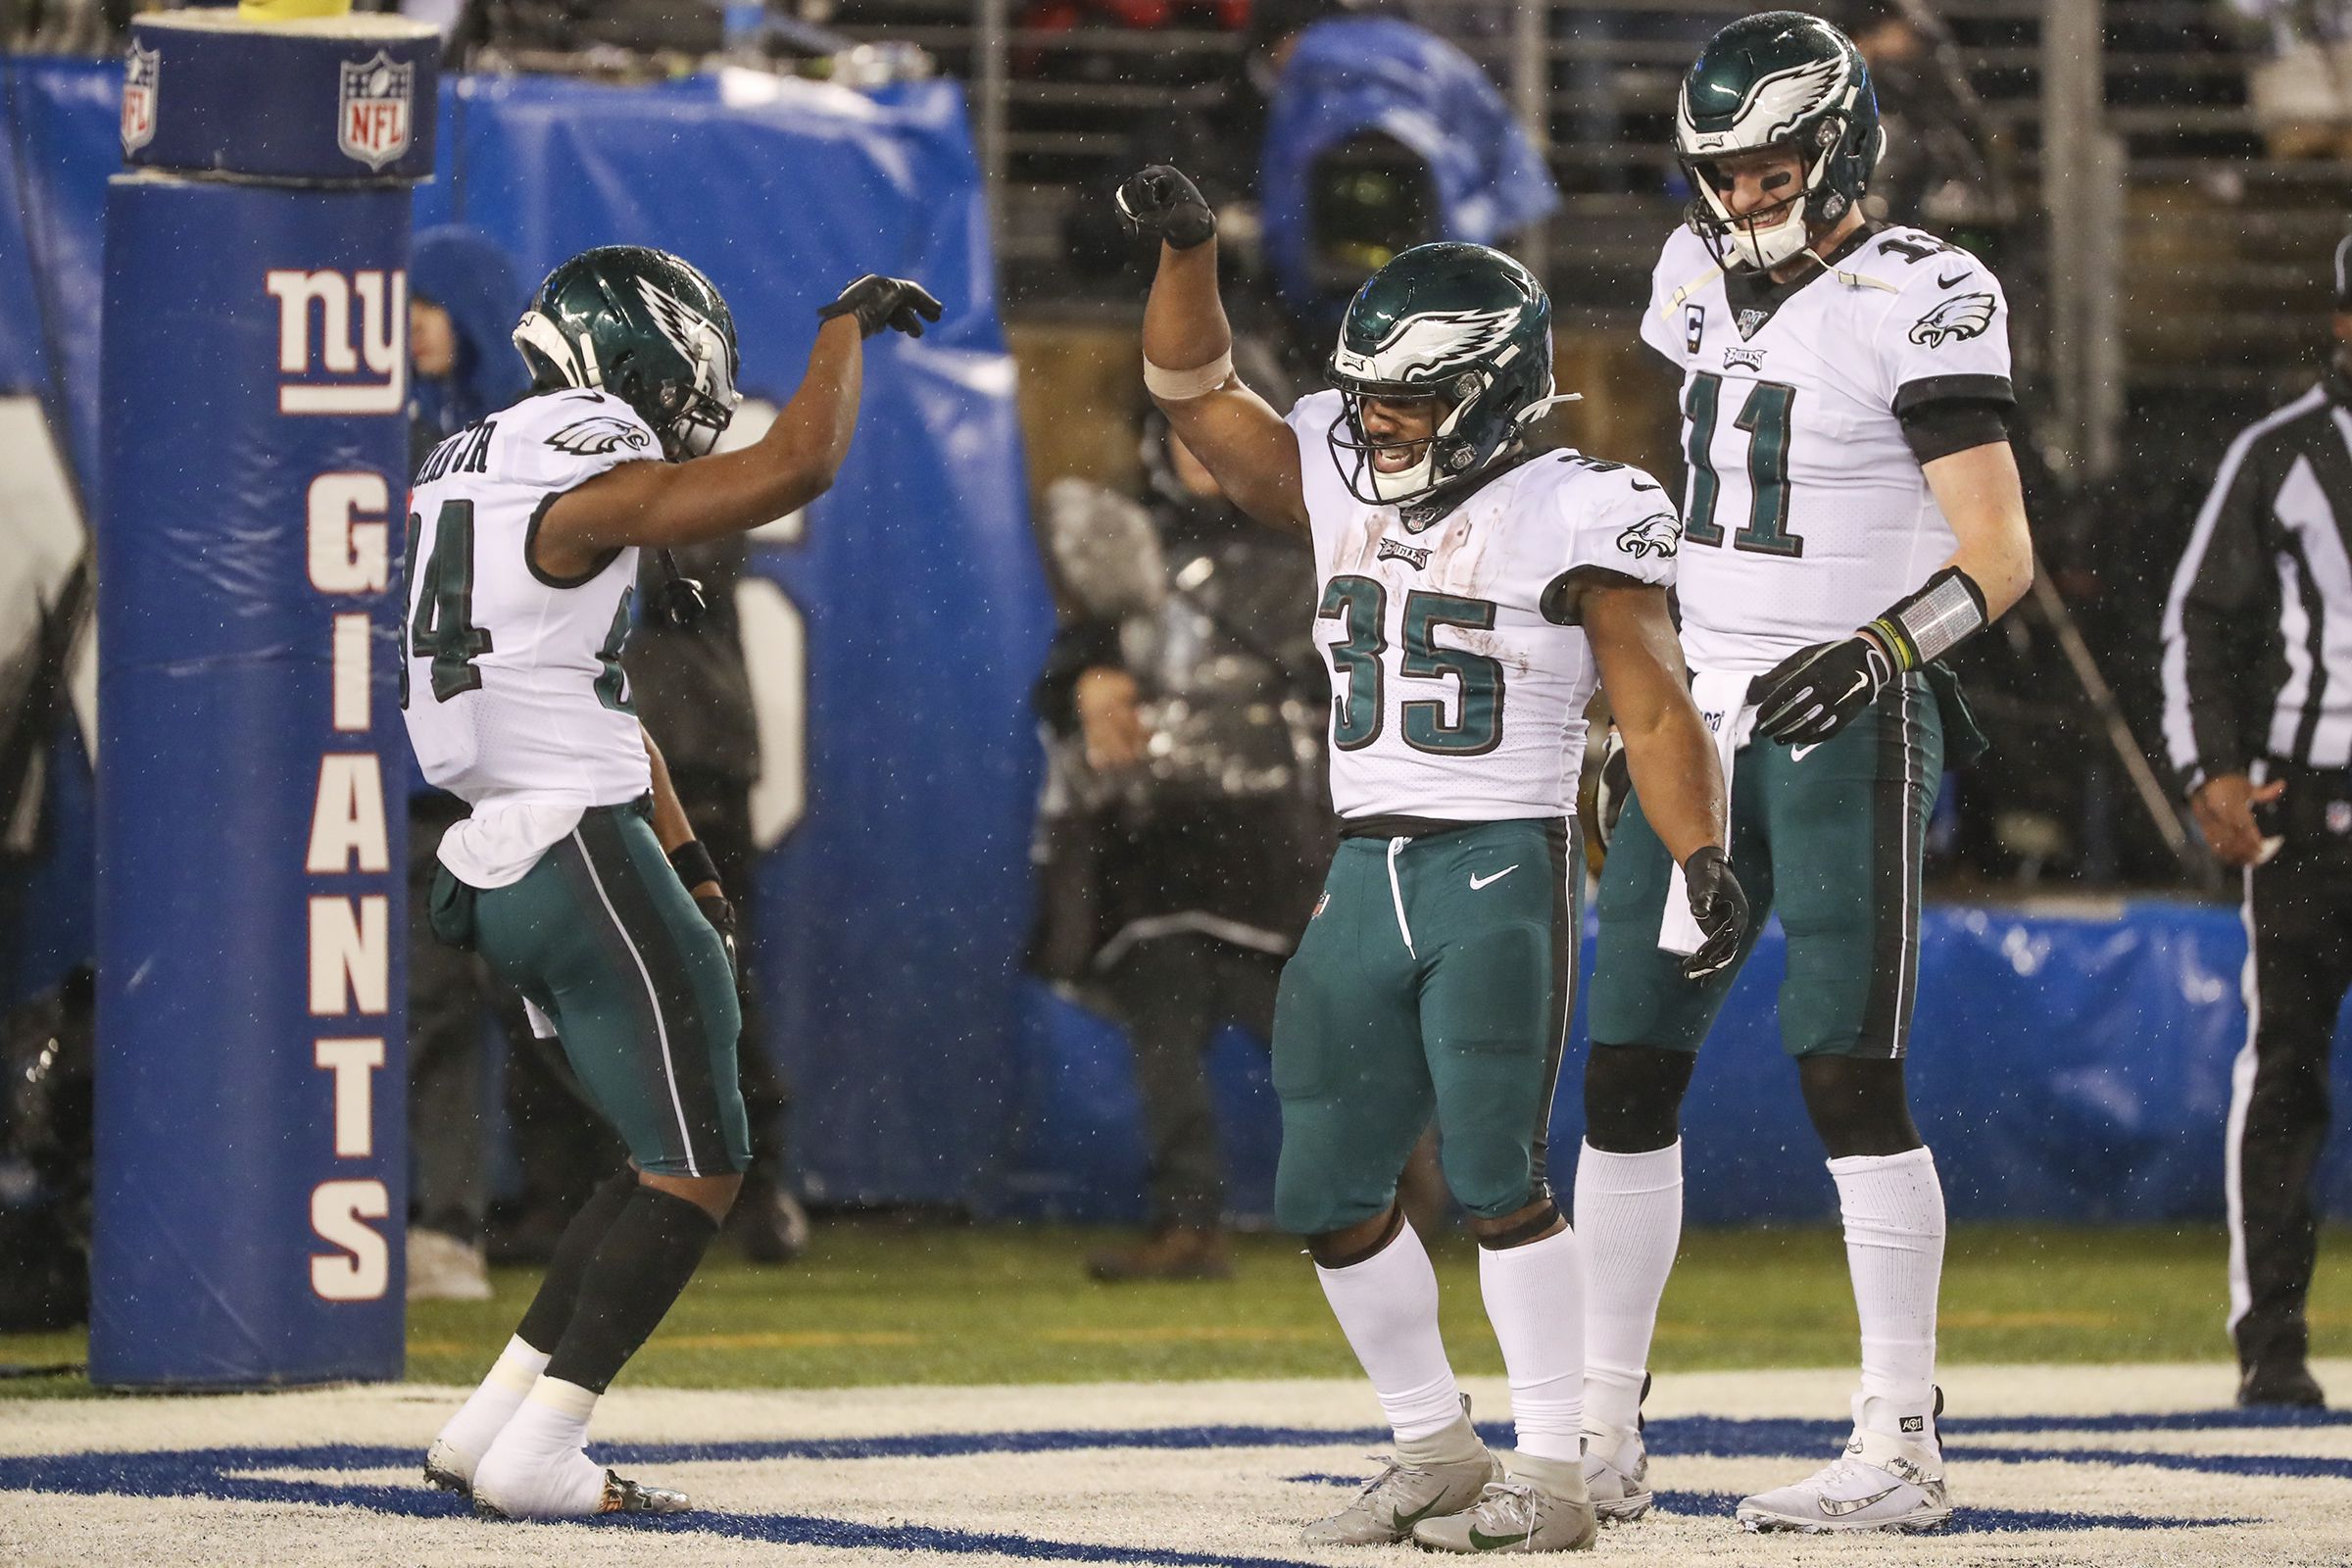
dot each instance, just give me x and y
(1444, 453)
(693, 417)
(1788, 227)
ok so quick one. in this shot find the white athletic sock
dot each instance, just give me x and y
(1387, 1308)
(1536, 1300)
(1629, 1216)
(1892, 1205)
(536, 1469)
(469, 1433)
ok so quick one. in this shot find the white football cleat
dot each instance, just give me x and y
(1617, 1474)
(450, 1467)
(1881, 1481)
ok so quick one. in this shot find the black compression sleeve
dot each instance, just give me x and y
(1945, 425)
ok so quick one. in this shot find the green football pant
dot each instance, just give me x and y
(1830, 835)
(604, 939)
(1436, 977)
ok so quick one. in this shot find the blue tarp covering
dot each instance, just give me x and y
(2064, 1068)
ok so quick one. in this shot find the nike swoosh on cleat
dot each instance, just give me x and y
(1402, 1523)
(1837, 1509)
(1477, 882)
(1480, 1541)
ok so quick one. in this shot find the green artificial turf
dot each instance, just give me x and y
(877, 1301)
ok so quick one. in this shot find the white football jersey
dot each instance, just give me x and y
(1453, 697)
(514, 690)
(1804, 511)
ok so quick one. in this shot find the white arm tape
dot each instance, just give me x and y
(1179, 386)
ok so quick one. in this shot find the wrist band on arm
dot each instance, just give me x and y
(1178, 386)
(1944, 613)
(693, 864)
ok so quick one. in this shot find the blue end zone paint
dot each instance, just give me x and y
(231, 1474)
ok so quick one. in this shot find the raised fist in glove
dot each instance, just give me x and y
(898, 303)
(1159, 203)
(1816, 692)
(1719, 906)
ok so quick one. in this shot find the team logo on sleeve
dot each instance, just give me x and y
(1957, 319)
(1660, 536)
(599, 435)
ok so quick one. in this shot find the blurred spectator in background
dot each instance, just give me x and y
(1381, 135)
(2301, 87)
(1943, 169)
(464, 300)
(687, 677)
(1185, 817)
(2258, 716)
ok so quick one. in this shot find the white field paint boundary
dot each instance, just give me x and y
(2053, 1465)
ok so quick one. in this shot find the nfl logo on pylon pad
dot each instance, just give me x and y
(373, 119)
(140, 72)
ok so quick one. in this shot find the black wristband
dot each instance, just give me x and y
(693, 864)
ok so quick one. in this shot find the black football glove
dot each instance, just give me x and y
(898, 303)
(1720, 908)
(1816, 692)
(721, 915)
(1159, 203)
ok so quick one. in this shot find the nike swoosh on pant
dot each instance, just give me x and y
(1797, 754)
(1477, 882)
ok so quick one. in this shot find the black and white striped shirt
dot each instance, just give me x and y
(2258, 630)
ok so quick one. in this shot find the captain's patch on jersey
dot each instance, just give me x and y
(1660, 536)
(600, 434)
(1957, 319)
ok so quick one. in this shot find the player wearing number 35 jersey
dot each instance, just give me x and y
(1472, 592)
(1852, 513)
(576, 875)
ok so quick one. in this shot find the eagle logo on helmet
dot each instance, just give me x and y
(1430, 341)
(692, 335)
(1780, 101)
(1959, 317)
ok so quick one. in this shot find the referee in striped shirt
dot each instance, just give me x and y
(2258, 717)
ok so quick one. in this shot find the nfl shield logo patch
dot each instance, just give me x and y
(373, 119)
(140, 72)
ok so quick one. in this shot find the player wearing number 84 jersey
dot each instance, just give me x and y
(1472, 590)
(577, 875)
(1851, 513)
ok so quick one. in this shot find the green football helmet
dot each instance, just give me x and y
(647, 327)
(1779, 79)
(1460, 323)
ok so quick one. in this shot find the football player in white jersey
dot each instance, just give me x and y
(1852, 513)
(1472, 591)
(576, 875)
